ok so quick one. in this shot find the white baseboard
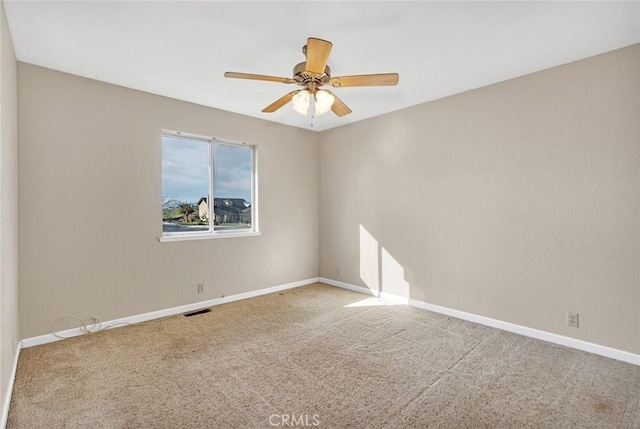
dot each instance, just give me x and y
(395, 298)
(349, 286)
(7, 399)
(49, 338)
(367, 291)
(505, 326)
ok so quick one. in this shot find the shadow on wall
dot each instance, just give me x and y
(379, 270)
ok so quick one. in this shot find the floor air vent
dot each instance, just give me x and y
(195, 313)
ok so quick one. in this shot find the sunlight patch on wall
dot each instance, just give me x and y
(393, 281)
(369, 266)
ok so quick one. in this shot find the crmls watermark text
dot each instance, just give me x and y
(294, 420)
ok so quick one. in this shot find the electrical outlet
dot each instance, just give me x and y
(572, 319)
(200, 287)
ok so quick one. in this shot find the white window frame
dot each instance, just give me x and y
(212, 232)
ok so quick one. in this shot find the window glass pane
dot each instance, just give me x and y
(232, 178)
(185, 184)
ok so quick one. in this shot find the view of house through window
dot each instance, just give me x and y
(193, 170)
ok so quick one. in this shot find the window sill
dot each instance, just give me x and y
(207, 236)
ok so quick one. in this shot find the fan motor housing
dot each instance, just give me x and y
(301, 76)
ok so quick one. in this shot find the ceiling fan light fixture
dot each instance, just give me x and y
(323, 102)
(313, 74)
(300, 102)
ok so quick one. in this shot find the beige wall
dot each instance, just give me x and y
(8, 205)
(90, 197)
(518, 201)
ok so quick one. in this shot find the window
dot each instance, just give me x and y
(208, 187)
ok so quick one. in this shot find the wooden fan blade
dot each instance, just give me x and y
(280, 102)
(318, 51)
(338, 107)
(236, 75)
(384, 79)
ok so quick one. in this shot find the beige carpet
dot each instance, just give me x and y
(321, 357)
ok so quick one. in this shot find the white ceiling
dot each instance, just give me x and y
(181, 49)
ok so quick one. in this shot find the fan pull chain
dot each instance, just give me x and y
(312, 110)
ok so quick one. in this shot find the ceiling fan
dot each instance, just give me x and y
(311, 75)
